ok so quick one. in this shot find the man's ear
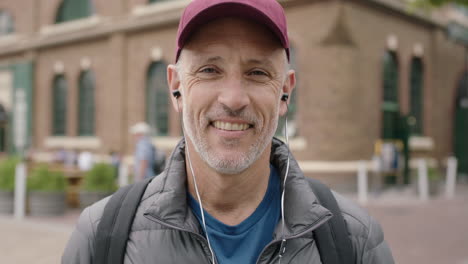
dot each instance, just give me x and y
(173, 80)
(288, 88)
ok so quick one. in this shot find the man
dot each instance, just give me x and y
(220, 197)
(144, 151)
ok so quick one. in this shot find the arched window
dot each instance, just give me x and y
(292, 107)
(74, 9)
(416, 97)
(6, 23)
(59, 106)
(390, 106)
(86, 105)
(157, 100)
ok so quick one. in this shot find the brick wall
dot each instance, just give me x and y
(339, 84)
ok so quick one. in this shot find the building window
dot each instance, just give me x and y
(416, 97)
(59, 106)
(6, 23)
(86, 105)
(157, 100)
(292, 107)
(390, 107)
(74, 9)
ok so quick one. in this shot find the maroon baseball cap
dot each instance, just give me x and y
(265, 12)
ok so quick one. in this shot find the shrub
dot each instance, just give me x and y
(100, 178)
(433, 174)
(7, 173)
(43, 179)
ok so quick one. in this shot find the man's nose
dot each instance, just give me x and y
(234, 94)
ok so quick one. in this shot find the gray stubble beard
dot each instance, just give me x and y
(227, 166)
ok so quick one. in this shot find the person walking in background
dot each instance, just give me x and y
(115, 161)
(85, 160)
(144, 151)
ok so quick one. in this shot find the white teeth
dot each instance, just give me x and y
(230, 126)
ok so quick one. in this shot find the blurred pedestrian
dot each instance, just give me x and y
(85, 160)
(60, 155)
(115, 160)
(71, 158)
(144, 156)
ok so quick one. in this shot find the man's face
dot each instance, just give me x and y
(232, 74)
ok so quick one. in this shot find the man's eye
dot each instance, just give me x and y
(258, 72)
(208, 70)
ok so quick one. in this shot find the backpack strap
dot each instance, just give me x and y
(332, 238)
(116, 221)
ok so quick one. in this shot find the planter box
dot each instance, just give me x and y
(6, 202)
(87, 198)
(46, 203)
(435, 187)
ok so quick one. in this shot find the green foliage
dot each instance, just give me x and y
(100, 178)
(433, 174)
(43, 179)
(7, 173)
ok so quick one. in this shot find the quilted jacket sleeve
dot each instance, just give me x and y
(366, 234)
(80, 247)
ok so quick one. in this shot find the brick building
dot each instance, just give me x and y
(90, 69)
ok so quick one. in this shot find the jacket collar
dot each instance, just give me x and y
(169, 194)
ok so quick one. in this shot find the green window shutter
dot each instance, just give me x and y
(292, 107)
(59, 107)
(6, 23)
(460, 143)
(416, 96)
(390, 105)
(23, 79)
(74, 9)
(157, 99)
(86, 105)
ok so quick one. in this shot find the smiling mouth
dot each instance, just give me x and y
(231, 126)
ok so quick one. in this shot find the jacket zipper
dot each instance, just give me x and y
(200, 237)
(316, 224)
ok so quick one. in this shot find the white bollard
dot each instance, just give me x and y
(123, 174)
(423, 183)
(451, 177)
(362, 182)
(20, 191)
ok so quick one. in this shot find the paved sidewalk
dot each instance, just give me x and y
(435, 232)
(35, 240)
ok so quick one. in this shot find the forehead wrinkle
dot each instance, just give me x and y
(265, 62)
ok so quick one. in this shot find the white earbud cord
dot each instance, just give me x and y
(197, 192)
(283, 240)
(283, 227)
(200, 202)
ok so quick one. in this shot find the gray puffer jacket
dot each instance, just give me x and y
(166, 231)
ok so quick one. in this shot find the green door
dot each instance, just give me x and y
(461, 126)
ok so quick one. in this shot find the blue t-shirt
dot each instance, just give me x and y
(244, 242)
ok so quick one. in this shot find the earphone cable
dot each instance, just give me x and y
(197, 192)
(283, 227)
